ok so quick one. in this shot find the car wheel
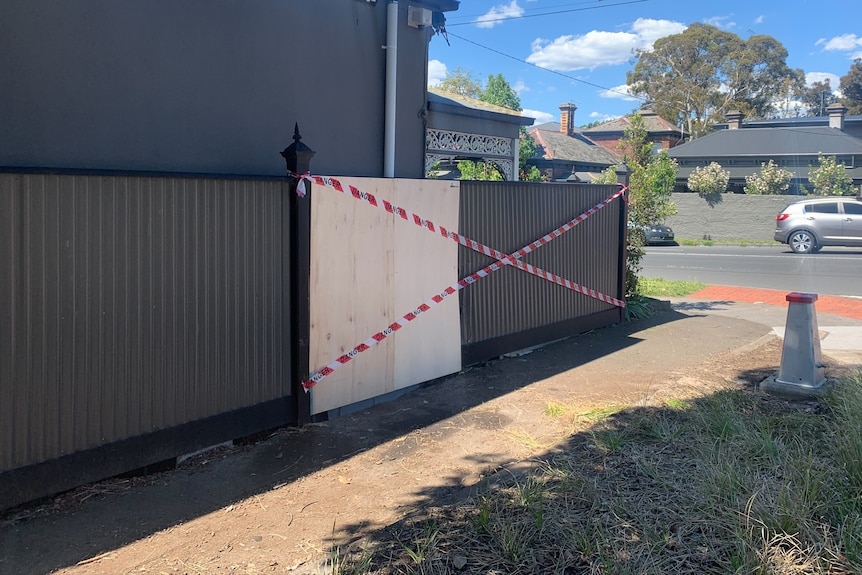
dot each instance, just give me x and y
(802, 242)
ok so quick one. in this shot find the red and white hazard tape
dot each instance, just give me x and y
(406, 215)
(503, 260)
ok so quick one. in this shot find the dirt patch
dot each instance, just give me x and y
(280, 506)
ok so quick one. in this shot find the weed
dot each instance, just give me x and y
(515, 540)
(528, 491)
(660, 428)
(526, 439)
(610, 439)
(356, 563)
(482, 517)
(677, 404)
(600, 413)
(637, 307)
(554, 410)
(423, 546)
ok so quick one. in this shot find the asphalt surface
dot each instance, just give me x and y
(835, 271)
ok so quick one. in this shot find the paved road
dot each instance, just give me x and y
(835, 271)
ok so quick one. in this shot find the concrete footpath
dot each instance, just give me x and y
(839, 319)
(279, 505)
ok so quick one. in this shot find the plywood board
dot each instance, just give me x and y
(368, 269)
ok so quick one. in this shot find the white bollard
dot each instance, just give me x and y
(802, 372)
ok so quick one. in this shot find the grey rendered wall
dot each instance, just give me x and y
(204, 86)
(472, 125)
(736, 217)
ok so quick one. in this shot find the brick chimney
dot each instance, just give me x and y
(734, 119)
(836, 113)
(567, 118)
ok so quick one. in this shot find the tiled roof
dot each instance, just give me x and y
(791, 122)
(652, 121)
(770, 142)
(576, 148)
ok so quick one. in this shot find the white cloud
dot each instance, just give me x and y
(541, 117)
(721, 22)
(599, 48)
(498, 14)
(843, 43)
(436, 72)
(520, 87)
(812, 77)
(649, 30)
(759, 20)
(620, 92)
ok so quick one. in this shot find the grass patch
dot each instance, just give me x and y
(693, 242)
(734, 482)
(656, 287)
(729, 242)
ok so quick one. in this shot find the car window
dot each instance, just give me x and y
(825, 208)
(853, 208)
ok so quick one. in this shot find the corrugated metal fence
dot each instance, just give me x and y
(511, 309)
(133, 306)
(145, 317)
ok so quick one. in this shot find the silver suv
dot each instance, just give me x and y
(809, 225)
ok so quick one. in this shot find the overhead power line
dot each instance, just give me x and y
(522, 61)
(502, 17)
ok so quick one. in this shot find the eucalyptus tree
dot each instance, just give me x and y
(817, 97)
(851, 88)
(700, 74)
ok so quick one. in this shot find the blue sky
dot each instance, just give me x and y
(557, 51)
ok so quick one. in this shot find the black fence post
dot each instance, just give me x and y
(623, 179)
(298, 156)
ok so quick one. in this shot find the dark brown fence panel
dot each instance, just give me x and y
(511, 309)
(140, 318)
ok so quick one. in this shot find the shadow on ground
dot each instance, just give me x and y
(93, 520)
(630, 474)
(713, 305)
